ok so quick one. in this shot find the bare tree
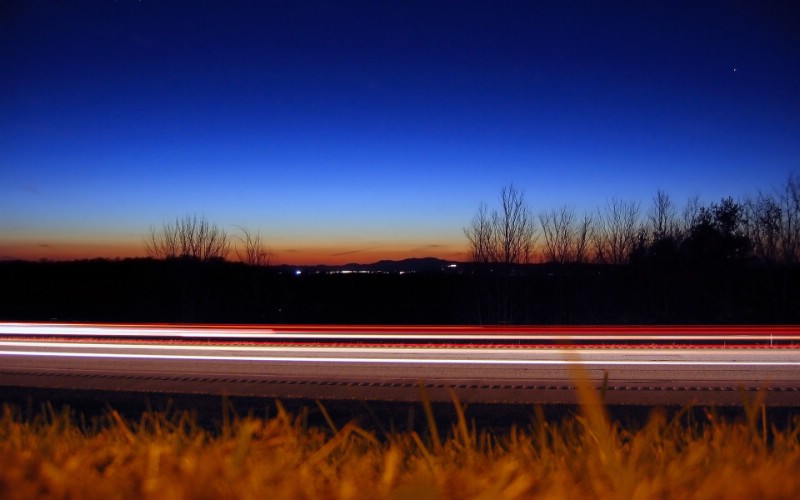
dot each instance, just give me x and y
(789, 200)
(566, 238)
(690, 215)
(162, 243)
(188, 237)
(558, 231)
(762, 219)
(514, 232)
(253, 250)
(617, 231)
(479, 235)
(506, 236)
(583, 237)
(662, 217)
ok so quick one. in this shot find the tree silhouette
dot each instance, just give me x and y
(514, 230)
(764, 218)
(565, 238)
(662, 217)
(789, 201)
(617, 231)
(719, 234)
(690, 214)
(190, 237)
(504, 238)
(253, 251)
(508, 235)
(480, 236)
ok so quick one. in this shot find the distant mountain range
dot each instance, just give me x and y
(413, 265)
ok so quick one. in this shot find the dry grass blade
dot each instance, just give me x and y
(432, 427)
(327, 416)
(55, 455)
(467, 439)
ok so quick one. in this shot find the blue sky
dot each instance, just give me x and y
(351, 131)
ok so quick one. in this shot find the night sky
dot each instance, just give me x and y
(355, 131)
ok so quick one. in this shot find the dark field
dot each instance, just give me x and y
(186, 291)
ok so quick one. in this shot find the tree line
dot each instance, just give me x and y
(763, 229)
(195, 238)
(731, 261)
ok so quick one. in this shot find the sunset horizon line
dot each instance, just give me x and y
(305, 257)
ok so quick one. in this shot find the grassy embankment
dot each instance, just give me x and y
(56, 454)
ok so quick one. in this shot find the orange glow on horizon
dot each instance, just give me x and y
(68, 250)
(338, 256)
(301, 256)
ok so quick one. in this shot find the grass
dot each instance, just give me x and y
(167, 455)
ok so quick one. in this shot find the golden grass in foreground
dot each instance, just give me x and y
(55, 455)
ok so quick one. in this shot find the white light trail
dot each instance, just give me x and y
(327, 349)
(377, 360)
(466, 334)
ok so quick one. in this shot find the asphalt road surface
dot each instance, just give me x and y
(633, 365)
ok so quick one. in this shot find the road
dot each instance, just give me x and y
(634, 365)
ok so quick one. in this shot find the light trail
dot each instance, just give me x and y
(394, 355)
(289, 361)
(415, 361)
(781, 334)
